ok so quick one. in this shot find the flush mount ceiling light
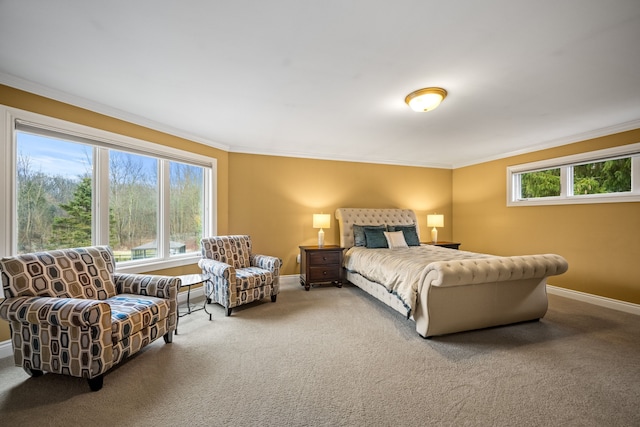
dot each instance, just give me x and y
(426, 99)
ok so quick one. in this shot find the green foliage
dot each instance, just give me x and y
(39, 196)
(544, 183)
(54, 211)
(610, 176)
(74, 228)
(185, 219)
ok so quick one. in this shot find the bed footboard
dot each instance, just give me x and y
(479, 293)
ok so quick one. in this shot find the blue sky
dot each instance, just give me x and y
(72, 160)
(55, 157)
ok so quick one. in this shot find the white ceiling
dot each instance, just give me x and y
(327, 79)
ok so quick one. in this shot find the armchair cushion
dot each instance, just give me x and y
(251, 277)
(131, 313)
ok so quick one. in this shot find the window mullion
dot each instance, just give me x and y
(635, 174)
(164, 187)
(210, 228)
(100, 218)
(566, 179)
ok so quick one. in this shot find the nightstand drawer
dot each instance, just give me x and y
(325, 258)
(324, 273)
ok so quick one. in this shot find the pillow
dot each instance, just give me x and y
(395, 239)
(358, 233)
(409, 231)
(375, 237)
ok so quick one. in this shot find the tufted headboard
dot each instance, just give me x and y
(348, 216)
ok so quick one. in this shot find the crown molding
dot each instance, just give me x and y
(96, 107)
(315, 156)
(571, 139)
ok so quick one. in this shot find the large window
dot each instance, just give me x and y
(611, 175)
(67, 185)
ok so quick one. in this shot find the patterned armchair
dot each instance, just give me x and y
(237, 276)
(70, 313)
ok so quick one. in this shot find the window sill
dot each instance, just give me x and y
(153, 264)
(576, 200)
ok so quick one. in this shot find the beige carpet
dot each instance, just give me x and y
(334, 357)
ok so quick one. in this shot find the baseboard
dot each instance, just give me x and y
(290, 279)
(195, 293)
(614, 304)
(5, 349)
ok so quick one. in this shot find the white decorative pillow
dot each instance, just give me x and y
(395, 239)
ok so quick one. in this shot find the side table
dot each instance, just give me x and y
(450, 245)
(187, 281)
(320, 265)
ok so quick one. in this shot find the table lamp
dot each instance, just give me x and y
(435, 221)
(321, 221)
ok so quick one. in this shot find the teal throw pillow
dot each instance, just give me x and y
(375, 237)
(358, 233)
(409, 231)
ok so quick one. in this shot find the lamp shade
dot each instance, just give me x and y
(321, 221)
(426, 99)
(435, 220)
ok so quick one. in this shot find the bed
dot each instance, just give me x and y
(443, 290)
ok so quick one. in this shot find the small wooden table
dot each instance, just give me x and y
(189, 280)
(450, 245)
(320, 265)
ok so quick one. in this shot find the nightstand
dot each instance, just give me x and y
(320, 265)
(450, 245)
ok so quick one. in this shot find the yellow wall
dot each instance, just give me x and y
(601, 242)
(274, 198)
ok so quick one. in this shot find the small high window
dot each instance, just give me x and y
(604, 176)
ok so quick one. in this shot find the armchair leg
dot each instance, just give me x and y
(168, 337)
(33, 372)
(227, 312)
(95, 383)
(273, 298)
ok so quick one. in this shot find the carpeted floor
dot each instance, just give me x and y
(337, 357)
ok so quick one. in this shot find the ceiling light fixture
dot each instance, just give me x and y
(426, 99)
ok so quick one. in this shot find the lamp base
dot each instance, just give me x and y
(434, 235)
(321, 238)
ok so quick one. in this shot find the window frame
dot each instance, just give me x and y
(566, 165)
(104, 140)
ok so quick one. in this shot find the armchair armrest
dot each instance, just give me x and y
(266, 262)
(67, 312)
(217, 269)
(146, 284)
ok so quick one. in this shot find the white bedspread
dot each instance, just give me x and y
(401, 270)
